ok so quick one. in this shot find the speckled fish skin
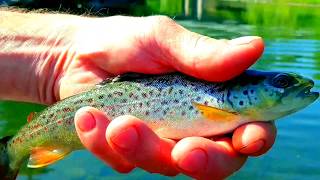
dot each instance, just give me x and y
(167, 103)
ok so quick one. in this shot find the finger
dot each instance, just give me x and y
(254, 139)
(135, 141)
(202, 56)
(202, 158)
(91, 126)
(161, 45)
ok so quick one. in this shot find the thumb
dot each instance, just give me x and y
(202, 56)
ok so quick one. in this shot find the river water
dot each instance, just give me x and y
(292, 44)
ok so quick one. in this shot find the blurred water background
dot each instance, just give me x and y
(291, 29)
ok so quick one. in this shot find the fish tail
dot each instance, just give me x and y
(6, 173)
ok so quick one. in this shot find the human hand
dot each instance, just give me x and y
(153, 45)
(127, 142)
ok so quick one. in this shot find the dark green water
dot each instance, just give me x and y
(292, 36)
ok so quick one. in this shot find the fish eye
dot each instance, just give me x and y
(282, 81)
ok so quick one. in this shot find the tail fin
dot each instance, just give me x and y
(6, 173)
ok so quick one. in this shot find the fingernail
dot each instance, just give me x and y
(126, 139)
(254, 147)
(194, 161)
(243, 40)
(87, 121)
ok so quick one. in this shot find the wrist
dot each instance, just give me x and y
(33, 58)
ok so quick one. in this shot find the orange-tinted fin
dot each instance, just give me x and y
(31, 116)
(213, 113)
(41, 156)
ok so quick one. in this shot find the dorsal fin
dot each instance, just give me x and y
(125, 77)
(31, 116)
(43, 156)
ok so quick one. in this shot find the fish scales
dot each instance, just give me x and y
(173, 105)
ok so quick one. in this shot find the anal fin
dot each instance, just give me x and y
(43, 156)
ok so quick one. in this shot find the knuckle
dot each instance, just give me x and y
(161, 20)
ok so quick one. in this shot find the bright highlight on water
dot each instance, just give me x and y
(173, 105)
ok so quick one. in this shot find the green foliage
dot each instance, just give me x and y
(13, 115)
(167, 7)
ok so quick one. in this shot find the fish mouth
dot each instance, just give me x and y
(305, 91)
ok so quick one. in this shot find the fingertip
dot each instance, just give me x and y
(254, 139)
(84, 120)
(88, 119)
(233, 58)
(122, 133)
(217, 60)
(201, 158)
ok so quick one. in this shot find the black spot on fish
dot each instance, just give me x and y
(255, 98)
(183, 113)
(190, 107)
(198, 98)
(66, 109)
(165, 112)
(109, 95)
(140, 104)
(101, 97)
(235, 97)
(251, 91)
(266, 90)
(118, 93)
(180, 91)
(245, 92)
(130, 94)
(147, 113)
(176, 101)
(124, 100)
(90, 100)
(151, 92)
(164, 102)
(144, 95)
(240, 103)
(170, 90)
(222, 98)
(219, 89)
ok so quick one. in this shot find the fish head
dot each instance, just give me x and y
(271, 95)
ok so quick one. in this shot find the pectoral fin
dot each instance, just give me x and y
(41, 156)
(216, 114)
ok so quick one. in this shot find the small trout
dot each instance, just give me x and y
(173, 105)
